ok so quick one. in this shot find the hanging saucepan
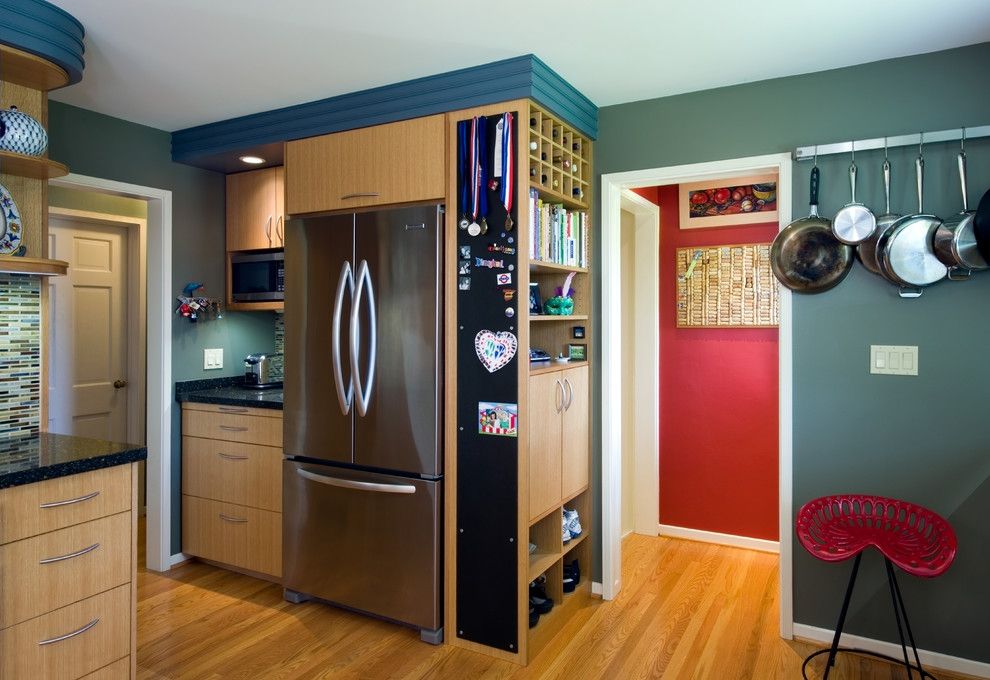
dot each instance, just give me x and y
(955, 240)
(805, 256)
(867, 250)
(981, 226)
(905, 252)
(854, 223)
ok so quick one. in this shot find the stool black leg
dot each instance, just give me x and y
(842, 616)
(892, 574)
(897, 616)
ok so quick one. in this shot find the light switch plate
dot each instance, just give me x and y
(894, 359)
(212, 358)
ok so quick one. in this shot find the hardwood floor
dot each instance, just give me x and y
(687, 610)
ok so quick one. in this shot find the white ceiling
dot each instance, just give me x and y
(173, 64)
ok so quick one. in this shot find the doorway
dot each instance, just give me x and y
(613, 195)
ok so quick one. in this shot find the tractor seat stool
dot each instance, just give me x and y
(835, 528)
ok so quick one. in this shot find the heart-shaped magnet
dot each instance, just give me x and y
(495, 350)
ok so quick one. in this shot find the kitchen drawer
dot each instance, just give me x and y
(95, 632)
(237, 410)
(401, 162)
(37, 508)
(234, 427)
(118, 670)
(232, 534)
(33, 580)
(232, 472)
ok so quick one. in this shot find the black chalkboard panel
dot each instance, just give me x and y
(487, 461)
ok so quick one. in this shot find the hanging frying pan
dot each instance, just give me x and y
(905, 252)
(854, 223)
(955, 240)
(867, 250)
(805, 256)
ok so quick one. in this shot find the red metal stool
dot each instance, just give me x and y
(835, 528)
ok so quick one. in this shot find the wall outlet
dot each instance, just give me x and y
(212, 358)
(894, 359)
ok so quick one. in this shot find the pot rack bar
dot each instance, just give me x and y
(806, 153)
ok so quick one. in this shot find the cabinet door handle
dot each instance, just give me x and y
(227, 409)
(361, 194)
(559, 403)
(62, 558)
(229, 428)
(67, 636)
(235, 520)
(71, 501)
(279, 232)
(227, 456)
(570, 394)
(268, 230)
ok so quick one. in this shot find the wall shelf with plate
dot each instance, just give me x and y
(39, 266)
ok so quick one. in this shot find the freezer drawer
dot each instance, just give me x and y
(366, 541)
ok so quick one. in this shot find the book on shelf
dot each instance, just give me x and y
(557, 235)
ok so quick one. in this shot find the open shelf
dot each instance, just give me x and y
(553, 267)
(29, 70)
(35, 167)
(574, 542)
(540, 562)
(255, 306)
(33, 265)
(551, 623)
(557, 317)
(553, 367)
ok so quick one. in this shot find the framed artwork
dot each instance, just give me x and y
(576, 352)
(728, 203)
(535, 303)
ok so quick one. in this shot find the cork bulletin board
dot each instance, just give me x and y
(728, 286)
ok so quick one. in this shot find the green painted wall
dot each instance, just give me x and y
(922, 439)
(101, 146)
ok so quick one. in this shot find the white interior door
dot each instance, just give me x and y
(88, 380)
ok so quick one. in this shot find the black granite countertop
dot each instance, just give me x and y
(25, 460)
(228, 392)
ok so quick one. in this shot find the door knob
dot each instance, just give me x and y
(117, 384)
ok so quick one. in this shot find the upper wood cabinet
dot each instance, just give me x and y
(394, 163)
(256, 209)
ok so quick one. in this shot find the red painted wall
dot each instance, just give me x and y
(718, 402)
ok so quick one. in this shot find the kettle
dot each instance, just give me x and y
(260, 371)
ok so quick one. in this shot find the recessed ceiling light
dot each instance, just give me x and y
(253, 160)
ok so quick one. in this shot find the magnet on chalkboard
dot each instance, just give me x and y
(503, 279)
(508, 294)
(498, 418)
(464, 268)
(510, 312)
(464, 283)
(465, 252)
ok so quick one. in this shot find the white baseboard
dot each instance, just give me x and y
(935, 660)
(722, 539)
(177, 558)
(596, 588)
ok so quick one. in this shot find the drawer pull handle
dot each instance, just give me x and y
(229, 428)
(57, 504)
(78, 553)
(74, 633)
(227, 409)
(361, 194)
(235, 520)
(227, 456)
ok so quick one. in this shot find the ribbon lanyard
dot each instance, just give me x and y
(507, 161)
(463, 128)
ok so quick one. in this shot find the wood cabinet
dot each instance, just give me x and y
(68, 555)
(232, 487)
(575, 432)
(387, 164)
(256, 209)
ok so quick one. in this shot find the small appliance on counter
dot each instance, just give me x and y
(261, 371)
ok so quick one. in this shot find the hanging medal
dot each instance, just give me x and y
(482, 186)
(507, 162)
(477, 198)
(463, 129)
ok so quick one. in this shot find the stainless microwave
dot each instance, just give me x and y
(257, 276)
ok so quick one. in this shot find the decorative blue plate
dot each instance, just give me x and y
(10, 224)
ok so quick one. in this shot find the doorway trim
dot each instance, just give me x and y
(158, 377)
(612, 188)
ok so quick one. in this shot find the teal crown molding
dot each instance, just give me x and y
(217, 146)
(43, 29)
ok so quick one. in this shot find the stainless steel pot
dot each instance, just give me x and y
(805, 256)
(905, 252)
(955, 240)
(867, 250)
(854, 223)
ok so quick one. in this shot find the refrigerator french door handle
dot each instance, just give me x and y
(362, 394)
(344, 396)
(354, 484)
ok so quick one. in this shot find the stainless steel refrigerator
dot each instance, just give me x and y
(363, 473)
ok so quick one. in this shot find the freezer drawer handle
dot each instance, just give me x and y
(360, 486)
(228, 428)
(344, 397)
(68, 636)
(361, 194)
(62, 558)
(71, 501)
(235, 520)
(363, 394)
(227, 456)
(227, 409)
